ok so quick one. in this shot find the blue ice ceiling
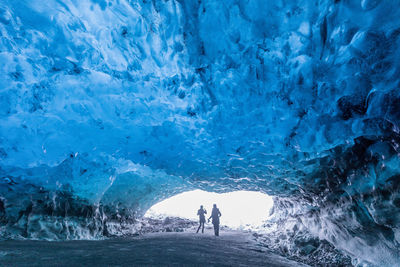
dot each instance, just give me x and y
(114, 105)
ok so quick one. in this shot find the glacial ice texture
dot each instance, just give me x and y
(107, 107)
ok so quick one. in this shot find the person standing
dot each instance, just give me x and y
(215, 214)
(201, 212)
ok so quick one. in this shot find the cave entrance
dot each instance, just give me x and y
(240, 209)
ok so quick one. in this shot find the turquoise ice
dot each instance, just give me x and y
(107, 107)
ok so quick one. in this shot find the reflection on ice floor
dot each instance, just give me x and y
(230, 249)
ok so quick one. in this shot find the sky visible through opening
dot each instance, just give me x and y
(239, 208)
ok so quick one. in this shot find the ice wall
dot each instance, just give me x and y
(88, 91)
(118, 104)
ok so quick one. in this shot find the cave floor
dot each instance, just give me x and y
(231, 248)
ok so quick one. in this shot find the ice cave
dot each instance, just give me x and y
(108, 107)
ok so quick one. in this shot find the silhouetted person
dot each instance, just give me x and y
(215, 214)
(202, 218)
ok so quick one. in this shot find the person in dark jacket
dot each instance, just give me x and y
(215, 214)
(201, 212)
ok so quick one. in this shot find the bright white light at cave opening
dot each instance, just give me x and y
(239, 209)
